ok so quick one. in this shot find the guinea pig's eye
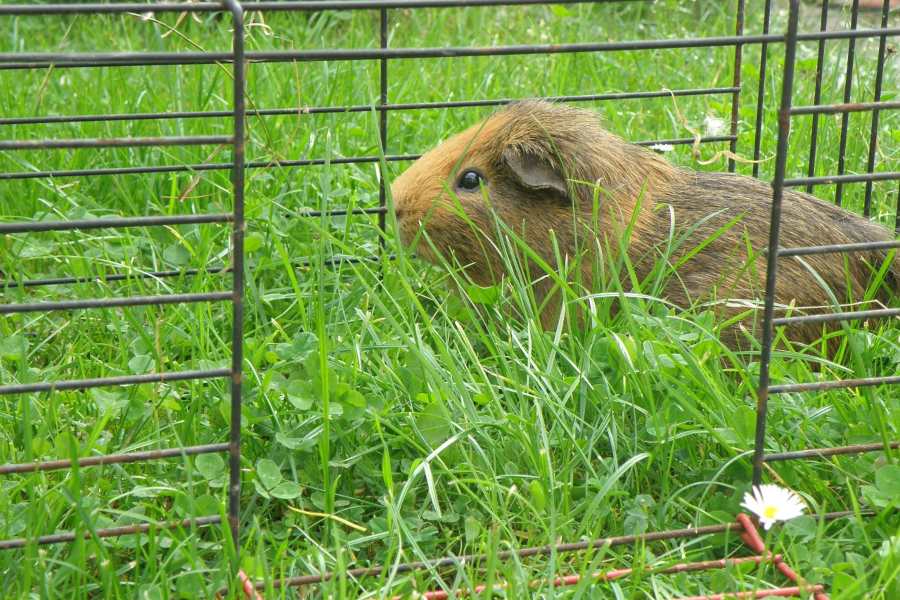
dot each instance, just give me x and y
(470, 180)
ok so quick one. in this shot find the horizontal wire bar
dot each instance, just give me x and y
(825, 452)
(607, 576)
(204, 167)
(456, 561)
(338, 260)
(280, 6)
(108, 532)
(265, 112)
(829, 179)
(6, 309)
(403, 106)
(194, 140)
(306, 162)
(144, 116)
(118, 222)
(112, 459)
(117, 171)
(830, 248)
(9, 283)
(856, 315)
(817, 109)
(109, 59)
(83, 384)
(38, 60)
(686, 141)
(831, 385)
(342, 212)
(303, 264)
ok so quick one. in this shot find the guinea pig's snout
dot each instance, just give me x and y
(400, 205)
(402, 213)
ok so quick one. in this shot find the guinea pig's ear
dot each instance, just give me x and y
(535, 171)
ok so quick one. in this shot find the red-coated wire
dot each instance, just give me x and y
(749, 535)
(247, 586)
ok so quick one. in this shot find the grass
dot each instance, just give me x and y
(451, 426)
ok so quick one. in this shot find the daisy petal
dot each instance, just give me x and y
(771, 503)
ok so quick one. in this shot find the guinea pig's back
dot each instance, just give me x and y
(733, 211)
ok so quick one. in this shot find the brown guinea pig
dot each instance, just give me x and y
(543, 169)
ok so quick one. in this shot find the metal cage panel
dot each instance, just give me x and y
(240, 60)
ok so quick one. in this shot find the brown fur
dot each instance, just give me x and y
(522, 149)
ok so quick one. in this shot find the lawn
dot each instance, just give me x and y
(393, 412)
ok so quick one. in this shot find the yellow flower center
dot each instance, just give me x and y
(769, 512)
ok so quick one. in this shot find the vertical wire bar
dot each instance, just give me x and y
(848, 92)
(736, 83)
(873, 133)
(761, 91)
(897, 213)
(237, 358)
(784, 130)
(817, 98)
(382, 127)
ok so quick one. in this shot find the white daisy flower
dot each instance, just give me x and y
(662, 147)
(773, 503)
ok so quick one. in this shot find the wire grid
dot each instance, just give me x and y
(235, 295)
(238, 58)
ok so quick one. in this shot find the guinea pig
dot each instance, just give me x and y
(555, 177)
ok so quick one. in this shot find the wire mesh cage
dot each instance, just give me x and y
(194, 241)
